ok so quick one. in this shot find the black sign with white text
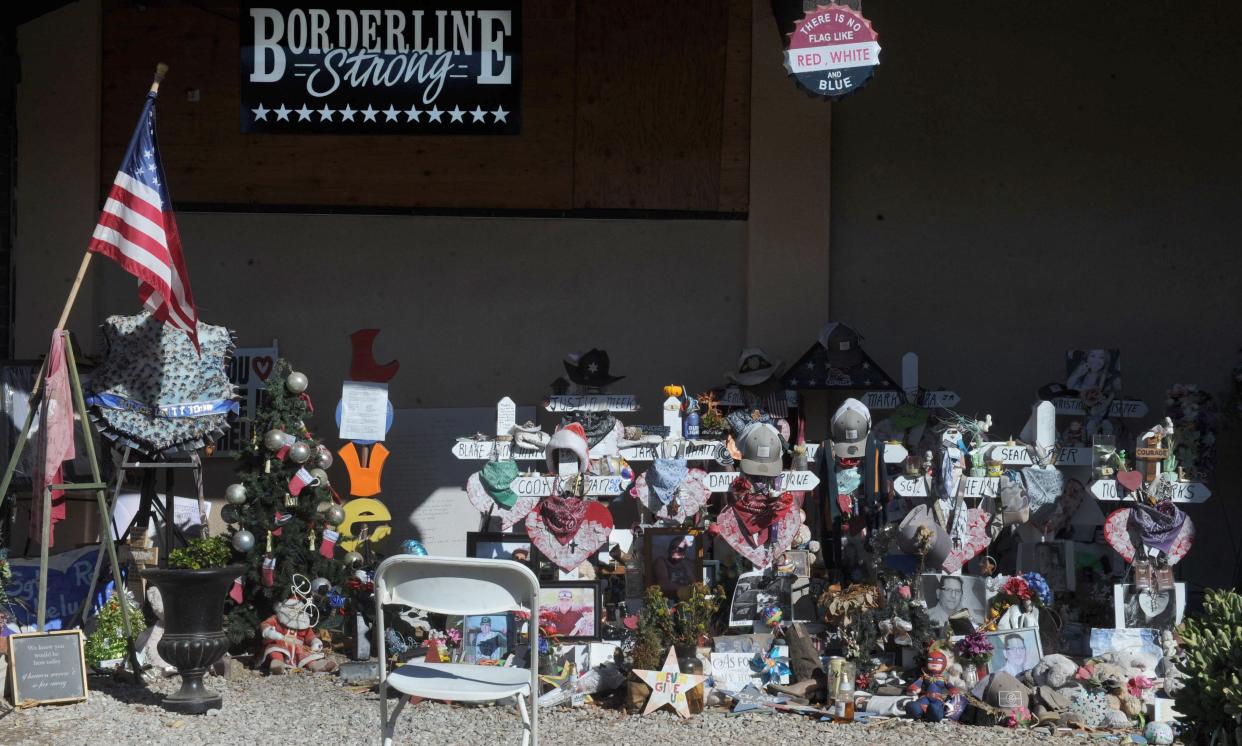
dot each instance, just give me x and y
(420, 67)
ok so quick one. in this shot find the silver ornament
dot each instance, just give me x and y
(336, 514)
(320, 586)
(323, 459)
(321, 475)
(300, 453)
(296, 382)
(274, 439)
(322, 506)
(353, 560)
(235, 494)
(243, 541)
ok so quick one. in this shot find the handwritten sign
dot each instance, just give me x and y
(978, 487)
(1124, 408)
(894, 399)
(506, 416)
(894, 453)
(910, 487)
(732, 671)
(1073, 456)
(696, 450)
(592, 403)
(1183, 492)
(47, 668)
(476, 450)
(543, 486)
(790, 481)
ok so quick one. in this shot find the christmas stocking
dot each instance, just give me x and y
(300, 481)
(328, 545)
(286, 440)
(269, 571)
(235, 592)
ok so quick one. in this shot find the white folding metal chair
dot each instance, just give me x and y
(466, 587)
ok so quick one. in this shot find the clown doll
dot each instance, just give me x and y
(932, 689)
(289, 641)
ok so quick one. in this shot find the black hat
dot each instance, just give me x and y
(589, 368)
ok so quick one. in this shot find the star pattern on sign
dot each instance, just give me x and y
(499, 114)
(456, 114)
(260, 114)
(282, 114)
(368, 114)
(348, 113)
(391, 114)
(412, 114)
(304, 113)
(669, 686)
(325, 114)
(434, 114)
(478, 113)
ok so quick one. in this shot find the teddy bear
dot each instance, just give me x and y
(1055, 687)
(1172, 676)
(1112, 679)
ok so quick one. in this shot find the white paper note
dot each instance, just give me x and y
(364, 410)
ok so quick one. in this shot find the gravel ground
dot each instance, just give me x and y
(309, 709)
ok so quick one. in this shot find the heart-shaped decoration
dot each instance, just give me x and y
(592, 534)
(689, 499)
(976, 540)
(262, 366)
(483, 502)
(1131, 480)
(1117, 534)
(729, 528)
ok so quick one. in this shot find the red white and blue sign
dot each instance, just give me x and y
(832, 51)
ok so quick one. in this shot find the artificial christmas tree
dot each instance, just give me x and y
(279, 509)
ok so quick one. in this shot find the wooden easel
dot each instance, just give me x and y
(96, 484)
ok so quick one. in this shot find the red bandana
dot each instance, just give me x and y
(563, 516)
(755, 512)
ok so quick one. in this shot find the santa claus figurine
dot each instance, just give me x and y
(290, 642)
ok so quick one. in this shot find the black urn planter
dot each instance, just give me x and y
(194, 635)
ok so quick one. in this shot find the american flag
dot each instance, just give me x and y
(138, 231)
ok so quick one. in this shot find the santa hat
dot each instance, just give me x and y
(569, 438)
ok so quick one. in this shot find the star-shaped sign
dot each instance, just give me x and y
(478, 114)
(304, 113)
(368, 114)
(456, 114)
(348, 113)
(434, 114)
(282, 114)
(669, 686)
(391, 114)
(260, 114)
(559, 680)
(500, 114)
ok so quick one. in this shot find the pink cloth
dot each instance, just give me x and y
(54, 440)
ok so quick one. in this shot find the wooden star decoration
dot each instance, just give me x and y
(669, 686)
(559, 680)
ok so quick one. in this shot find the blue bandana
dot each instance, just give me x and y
(665, 476)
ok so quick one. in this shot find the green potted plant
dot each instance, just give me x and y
(192, 588)
(107, 644)
(655, 633)
(1211, 698)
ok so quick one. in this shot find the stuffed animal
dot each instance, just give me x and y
(290, 642)
(1173, 677)
(931, 690)
(1132, 661)
(1055, 687)
(1112, 679)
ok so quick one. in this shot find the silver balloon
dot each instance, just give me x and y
(320, 586)
(323, 459)
(235, 493)
(296, 382)
(321, 475)
(353, 560)
(300, 452)
(336, 514)
(274, 439)
(243, 541)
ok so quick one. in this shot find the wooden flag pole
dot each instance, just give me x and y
(160, 71)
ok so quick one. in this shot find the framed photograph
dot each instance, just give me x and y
(711, 573)
(1052, 559)
(1093, 370)
(1014, 651)
(754, 592)
(488, 545)
(672, 558)
(947, 594)
(1120, 640)
(488, 638)
(795, 562)
(572, 608)
(1148, 609)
